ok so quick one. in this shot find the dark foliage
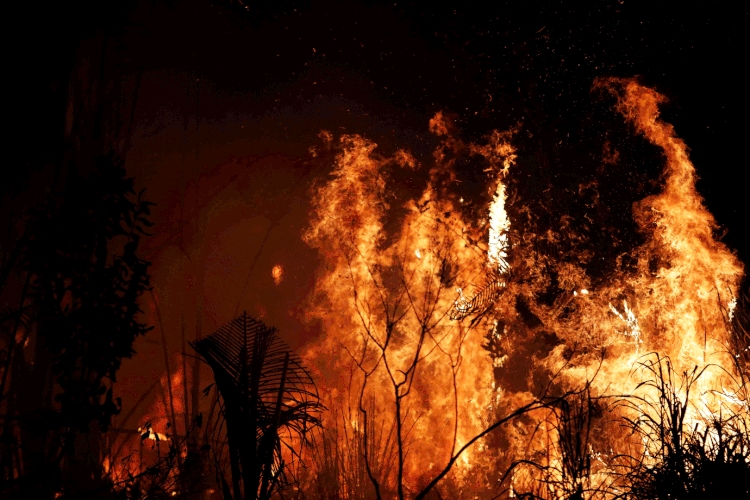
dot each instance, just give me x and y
(77, 319)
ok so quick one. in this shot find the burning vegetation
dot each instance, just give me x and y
(447, 316)
(475, 343)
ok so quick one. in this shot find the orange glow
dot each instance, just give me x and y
(142, 447)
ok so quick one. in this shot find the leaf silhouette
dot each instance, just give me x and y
(266, 393)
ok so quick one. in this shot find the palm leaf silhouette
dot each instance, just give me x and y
(264, 393)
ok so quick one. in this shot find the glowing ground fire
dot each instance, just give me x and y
(427, 320)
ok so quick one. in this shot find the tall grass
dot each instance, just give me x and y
(683, 460)
(339, 458)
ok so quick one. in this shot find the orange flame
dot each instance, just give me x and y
(372, 280)
(385, 290)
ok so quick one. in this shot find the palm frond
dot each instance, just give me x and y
(265, 393)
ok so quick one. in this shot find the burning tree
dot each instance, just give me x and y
(413, 372)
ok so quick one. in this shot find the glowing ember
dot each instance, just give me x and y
(278, 274)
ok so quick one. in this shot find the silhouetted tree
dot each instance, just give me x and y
(77, 318)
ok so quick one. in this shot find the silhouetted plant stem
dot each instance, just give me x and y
(183, 347)
(277, 414)
(165, 350)
(12, 346)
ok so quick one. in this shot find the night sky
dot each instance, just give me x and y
(231, 97)
(382, 69)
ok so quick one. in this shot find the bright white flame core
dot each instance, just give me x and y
(499, 226)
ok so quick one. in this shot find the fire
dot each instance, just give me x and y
(391, 290)
(154, 436)
(404, 272)
(443, 311)
(162, 426)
